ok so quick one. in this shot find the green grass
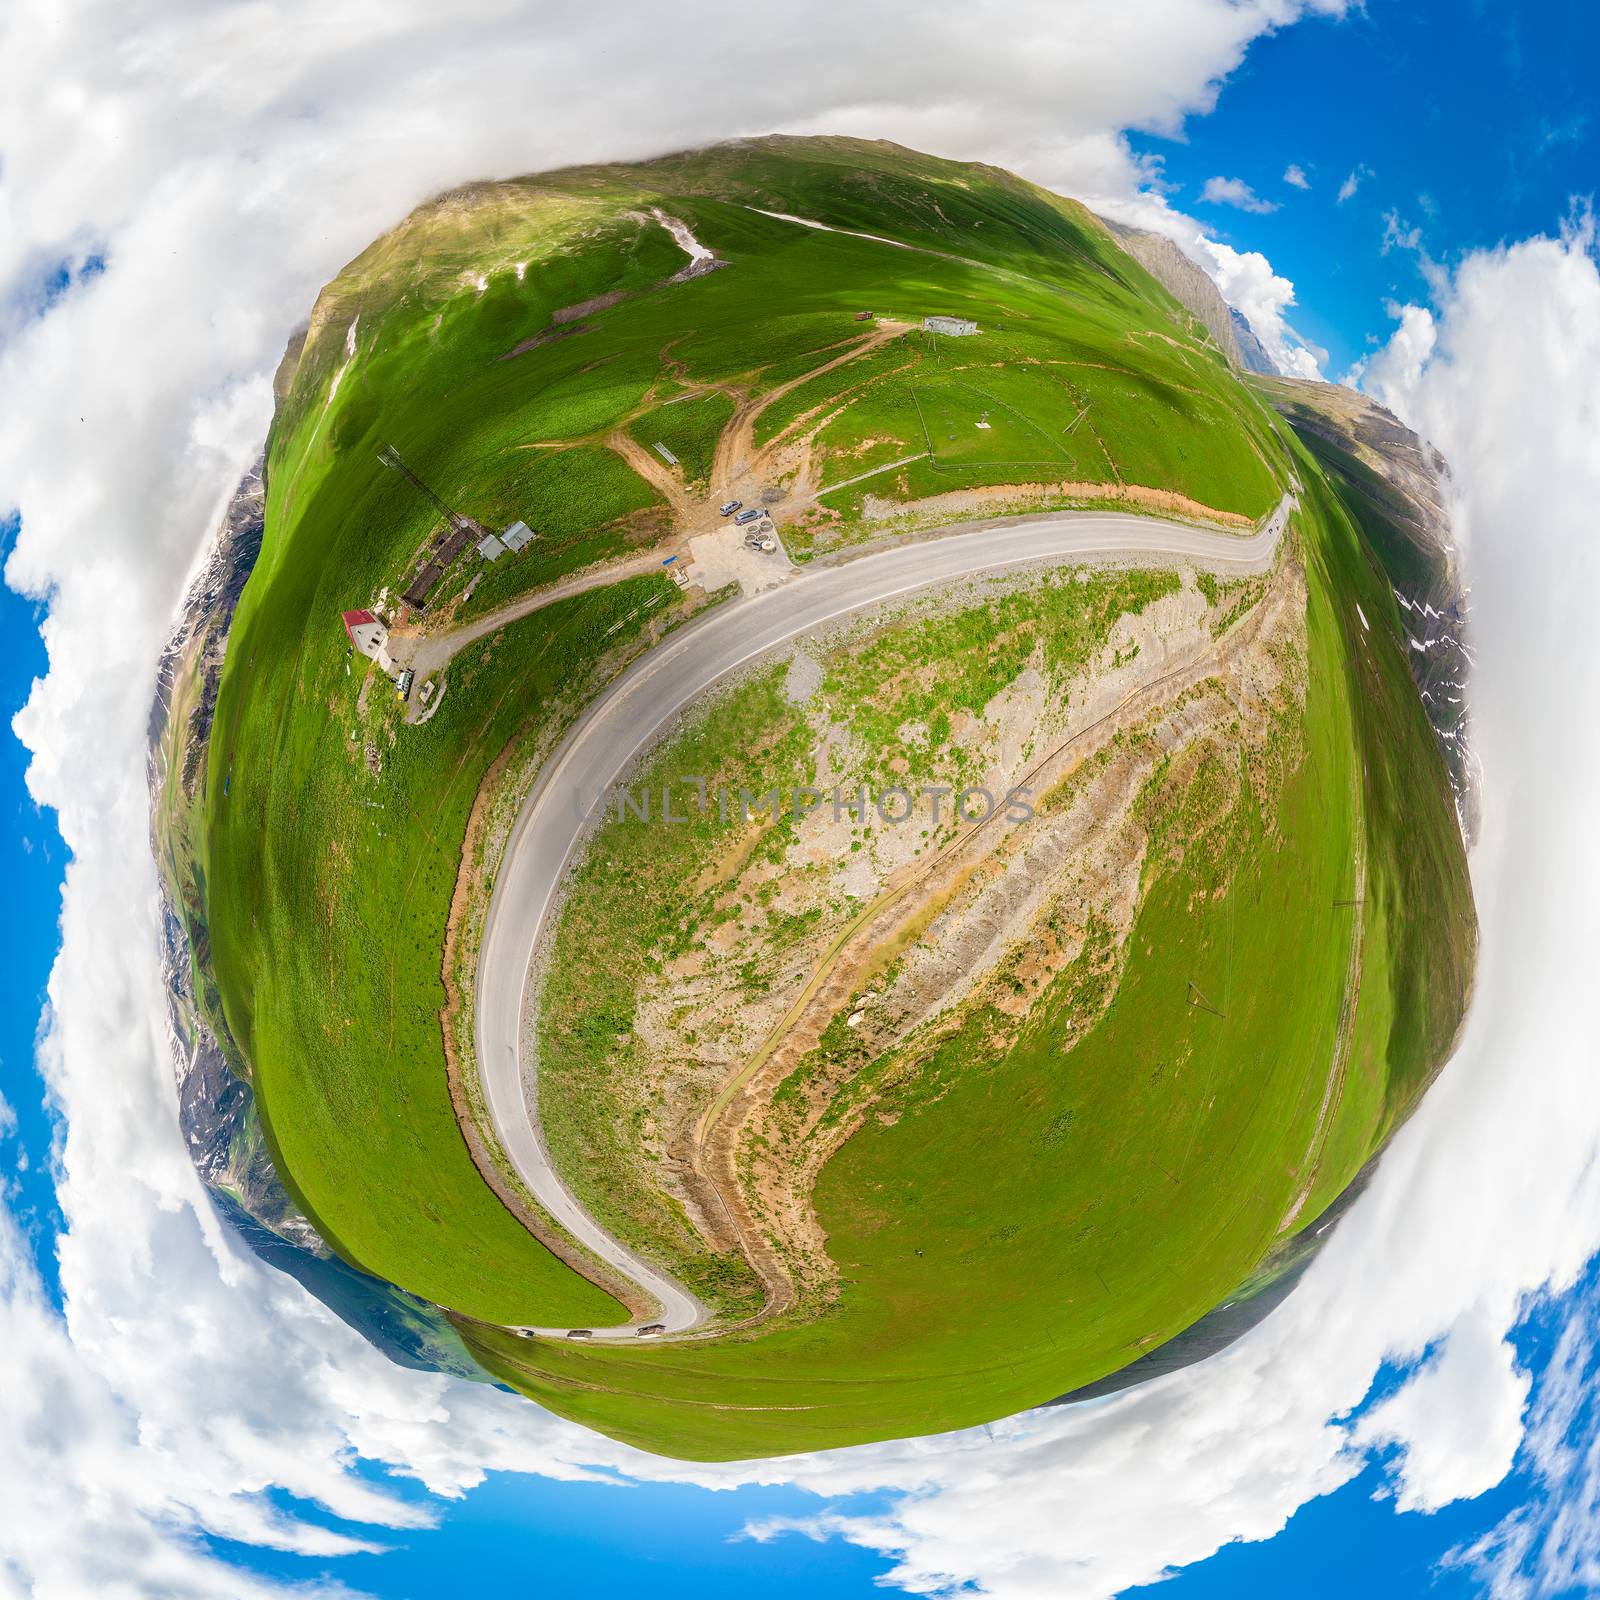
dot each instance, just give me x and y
(584, 503)
(629, 899)
(688, 428)
(828, 391)
(965, 426)
(327, 933)
(1137, 1180)
(1202, 454)
(882, 424)
(327, 913)
(630, 896)
(1063, 415)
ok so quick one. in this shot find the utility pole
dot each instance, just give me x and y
(390, 457)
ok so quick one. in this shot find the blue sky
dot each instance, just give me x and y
(528, 1536)
(34, 858)
(1467, 122)
(1473, 122)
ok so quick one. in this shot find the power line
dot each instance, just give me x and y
(391, 457)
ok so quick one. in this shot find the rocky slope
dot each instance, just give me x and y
(1251, 349)
(1192, 289)
(1395, 484)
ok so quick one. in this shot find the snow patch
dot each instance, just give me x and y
(822, 227)
(681, 235)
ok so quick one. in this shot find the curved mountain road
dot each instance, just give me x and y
(644, 703)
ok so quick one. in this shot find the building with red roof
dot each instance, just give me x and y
(368, 636)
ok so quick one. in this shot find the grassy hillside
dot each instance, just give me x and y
(1128, 1186)
(333, 858)
(652, 896)
(526, 346)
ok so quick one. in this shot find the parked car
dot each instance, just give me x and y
(580, 1333)
(747, 516)
(729, 509)
(651, 1328)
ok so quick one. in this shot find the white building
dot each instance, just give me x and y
(369, 636)
(516, 536)
(490, 548)
(955, 327)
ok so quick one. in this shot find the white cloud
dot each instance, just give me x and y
(1347, 189)
(1295, 175)
(1550, 1544)
(1392, 373)
(1235, 192)
(226, 162)
(1244, 278)
(1397, 236)
(1248, 283)
(1457, 1419)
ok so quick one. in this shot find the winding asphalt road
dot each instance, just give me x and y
(644, 703)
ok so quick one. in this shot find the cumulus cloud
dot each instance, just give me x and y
(1244, 278)
(1264, 297)
(1235, 192)
(1392, 373)
(1550, 1544)
(167, 212)
(1457, 1419)
(1295, 176)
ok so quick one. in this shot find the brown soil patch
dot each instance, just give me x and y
(986, 499)
(549, 336)
(990, 920)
